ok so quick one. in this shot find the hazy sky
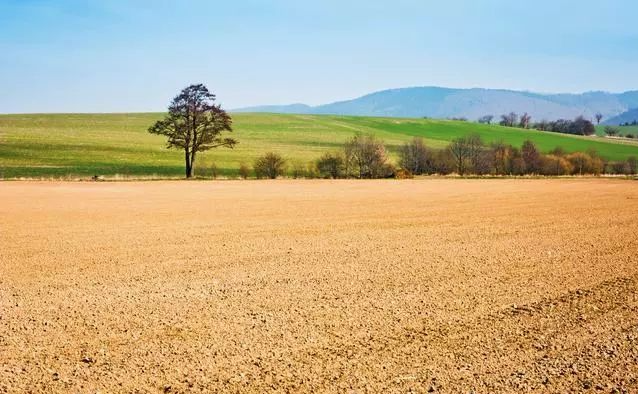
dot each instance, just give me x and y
(119, 55)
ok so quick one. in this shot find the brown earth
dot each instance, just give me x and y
(319, 286)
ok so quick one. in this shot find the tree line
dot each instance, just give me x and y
(365, 157)
(194, 124)
(578, 126)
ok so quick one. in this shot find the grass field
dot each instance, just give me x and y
(63, 145)
(437, 285)
(600, 130)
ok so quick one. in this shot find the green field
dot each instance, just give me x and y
(624, 130)
(82, 145)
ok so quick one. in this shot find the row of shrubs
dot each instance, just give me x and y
(365, 156)
(613, 131)
(470, 155)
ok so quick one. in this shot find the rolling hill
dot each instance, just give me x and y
(626, 117)
(60, 145)
(437, 102)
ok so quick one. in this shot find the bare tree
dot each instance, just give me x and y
(461, 151)
(509, 120)
(414, 156)
(366, 157)
(531, 157)
(195, 124)
(599, 117)
(476, 147)
(501, 154)
(525, 121)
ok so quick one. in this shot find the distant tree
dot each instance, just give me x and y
(531, 157)
(555, 165)
(271, 165)
(195, 124)
(461, 151)
(517, 164)
(525, 121)
(330, 165)
(477, 159)
(415, 157)
(581, 162)
(582, 126)
(620, 168)
(599, 117)
(543, 125)
(487, 119)
(509, 120)
(501, 154)
(365, 157)
(612, 131)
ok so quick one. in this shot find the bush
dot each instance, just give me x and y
(402, 173)
(311, 170)
(244, 170)
(555, 165)
(330, 165)
(629, 135)
(214, 171)
(612, 131)
(632, 162)
(619, 168)
(443, 162)
(582, 163)
(297, 170)
(271, 165)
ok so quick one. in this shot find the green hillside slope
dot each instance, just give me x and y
(106, 144)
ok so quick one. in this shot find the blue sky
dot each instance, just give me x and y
(118, 55)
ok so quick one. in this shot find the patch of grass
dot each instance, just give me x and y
(60, 145)
(600, 130)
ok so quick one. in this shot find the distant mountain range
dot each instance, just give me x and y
(437, 102)
(626, 117)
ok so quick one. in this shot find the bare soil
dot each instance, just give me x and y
(319, 286)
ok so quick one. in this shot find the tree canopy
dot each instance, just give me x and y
(195, 123)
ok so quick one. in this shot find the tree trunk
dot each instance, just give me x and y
(189, 169)
(192, 166)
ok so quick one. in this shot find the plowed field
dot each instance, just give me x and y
(319, 286)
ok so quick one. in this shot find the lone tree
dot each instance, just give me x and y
(599, 117)
(194, 123)
(525, 121)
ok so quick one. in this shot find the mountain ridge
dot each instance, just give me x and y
(471, 103)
